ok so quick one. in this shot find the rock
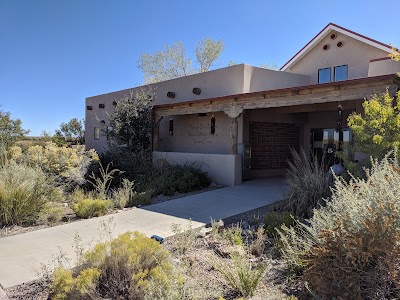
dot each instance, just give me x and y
(213, 184)
(191, 259)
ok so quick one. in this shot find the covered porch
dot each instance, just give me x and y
(250, 135)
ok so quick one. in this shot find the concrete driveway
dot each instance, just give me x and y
(22, 256)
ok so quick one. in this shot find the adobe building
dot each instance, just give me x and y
(240, 122)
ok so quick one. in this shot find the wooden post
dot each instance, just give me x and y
(234, 135)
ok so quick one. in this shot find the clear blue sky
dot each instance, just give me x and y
(55, 53)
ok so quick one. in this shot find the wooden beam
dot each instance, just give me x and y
(252, 102)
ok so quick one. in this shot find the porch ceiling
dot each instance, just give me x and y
(234, 105)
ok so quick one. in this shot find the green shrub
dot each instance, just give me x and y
(24, 192)
(275, 219)
(351, 248)
(233, 235)
(118, 269)
(309, 183)
(122, 196)
(53, 212)
(143, 198)
(240, 274)
(168, 179)
(88, 208)
(184, 239)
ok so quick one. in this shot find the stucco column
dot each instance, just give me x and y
(234, 112)
(234, 135)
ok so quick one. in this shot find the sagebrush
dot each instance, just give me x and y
(351, 247)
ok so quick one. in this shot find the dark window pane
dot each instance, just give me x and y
(324, 75)
(341, 73)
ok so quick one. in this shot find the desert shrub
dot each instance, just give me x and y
(68, 165)
(184, 239)
(121, 268)
(24, 192)
(168, 179)
(142, 198)
(233, 235)
(101, 184)
(275, 219)
(351, 248)
(53, 212)
(309, 182)
(240, 274)
(88, 208)
(122, 196)
(257, 247)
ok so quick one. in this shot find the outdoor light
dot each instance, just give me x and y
(212, 127)
(89, 107)
(171, 95)
(101, 105)
(171, 127)
(339, 121)
(196, 91)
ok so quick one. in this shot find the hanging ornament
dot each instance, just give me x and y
(339, 121)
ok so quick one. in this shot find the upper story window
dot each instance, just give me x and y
(340, 73)
(324, 75)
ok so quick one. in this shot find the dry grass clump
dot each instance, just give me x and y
(309, 182)
(351, 249)
(24, 193)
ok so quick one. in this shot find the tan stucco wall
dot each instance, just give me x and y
(260, 79)
(353, 53)
(223, 169)
(383, 67)
(192, 134)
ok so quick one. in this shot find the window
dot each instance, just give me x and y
(97, 133)
(340, 73)
(324, 75)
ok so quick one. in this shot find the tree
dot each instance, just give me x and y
(376, 132)
(10, 130)
(171, 62)
(207, 52)
(131, 123)
(74, 130)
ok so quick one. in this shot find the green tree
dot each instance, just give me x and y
(207, 52)
(10, 130)
(131, 123)
(376, 132)
(74, 130)
(171, 62)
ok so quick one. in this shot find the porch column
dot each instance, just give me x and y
(234, 112)
(234, 135)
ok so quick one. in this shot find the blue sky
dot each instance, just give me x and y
(54, 53)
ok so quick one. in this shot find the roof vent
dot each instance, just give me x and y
(340, 44)
(325, 47)
(333, 36)
(196, 91)
(171, 95)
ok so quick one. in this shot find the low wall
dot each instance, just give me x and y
(223, 169)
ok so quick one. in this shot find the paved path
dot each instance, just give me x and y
(21, 256)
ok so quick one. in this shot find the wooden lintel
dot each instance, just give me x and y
(330, 94)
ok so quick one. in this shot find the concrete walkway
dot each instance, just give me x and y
(22, 256)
